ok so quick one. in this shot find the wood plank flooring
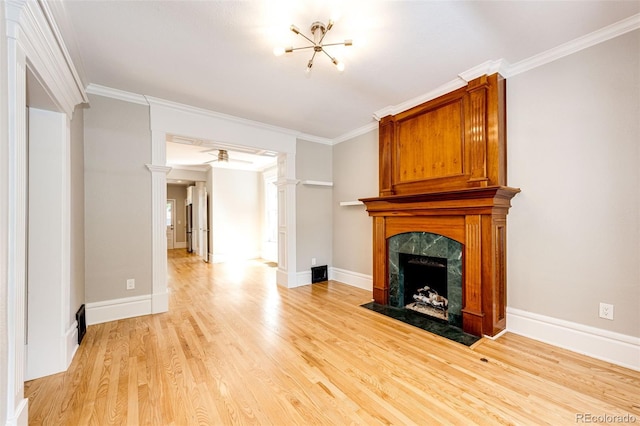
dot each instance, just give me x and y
(235, 348)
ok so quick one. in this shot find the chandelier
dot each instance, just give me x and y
(318, 31)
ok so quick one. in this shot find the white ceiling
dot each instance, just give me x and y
(218, 55)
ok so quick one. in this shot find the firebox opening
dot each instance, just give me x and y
(425, 285)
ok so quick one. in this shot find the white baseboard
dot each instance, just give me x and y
(160, 302)
(180, 245)
(355, 279)
(616, 348)
(20, 417)
(71, 338)
(112, 310)
(303, 278)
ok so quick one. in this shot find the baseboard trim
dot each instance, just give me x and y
(354, 279)
(71, 338)
(21, 414)
(116, 309)
(160, 302)
(616, 348)
(303, 278)
(181, 245)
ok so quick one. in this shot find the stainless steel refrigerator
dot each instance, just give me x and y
(189, 220)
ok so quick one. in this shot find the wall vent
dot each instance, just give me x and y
(82, 323)
(319, 274)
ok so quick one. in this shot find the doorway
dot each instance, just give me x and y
(171, 223)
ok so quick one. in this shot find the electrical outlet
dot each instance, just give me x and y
(131, 284)
(313, 261)
(606, 311)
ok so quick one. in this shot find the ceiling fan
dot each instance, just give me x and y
(223, 157)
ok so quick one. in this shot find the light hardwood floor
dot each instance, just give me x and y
(235, 348)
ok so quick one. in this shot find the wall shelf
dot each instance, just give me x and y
(351, 203)
(316, 183)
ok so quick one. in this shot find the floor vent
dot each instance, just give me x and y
(319, 274)
(82, 323)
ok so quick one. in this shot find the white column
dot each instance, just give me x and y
(159, 170)
(286, 274)
(16, 232)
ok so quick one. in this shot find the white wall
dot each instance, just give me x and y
(355, 175)
(117, 200)
(236, 214)
(573, 235)
(77, 212)
(313, 206)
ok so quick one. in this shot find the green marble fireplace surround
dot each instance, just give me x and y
(432, 245)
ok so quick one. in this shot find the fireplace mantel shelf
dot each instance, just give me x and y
(471, 200)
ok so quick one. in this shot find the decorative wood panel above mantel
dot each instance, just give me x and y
(452, 142)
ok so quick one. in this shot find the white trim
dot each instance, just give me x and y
(509, 70)
(602, 344)
(351, 203)
(71, 339)
(486, 68)
(159, 302)
(302, 278)
(356, 132)
(20, 414)
(180, 245)
(116, 309)
(354, 279)
(316, 183)
(497, 335)
(157, 168)
(438, 91)
(313, 138)
(607, 33)
(121, 95)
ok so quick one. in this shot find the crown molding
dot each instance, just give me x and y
(439, 91)
(607, 33)
(486, 68)
(122, 95)
(32, 26)
(313, 138)
(356, 132)
(509, 70)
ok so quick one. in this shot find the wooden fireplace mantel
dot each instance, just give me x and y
(474, 217)
(443, 170)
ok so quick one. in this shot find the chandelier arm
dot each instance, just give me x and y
(335, 44)
(302, 48)
(322, 38)
(307, 38)
(330, 57)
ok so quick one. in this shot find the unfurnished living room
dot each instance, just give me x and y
(319, 212)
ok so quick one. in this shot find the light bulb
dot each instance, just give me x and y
(339, 65)
(278, 51)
